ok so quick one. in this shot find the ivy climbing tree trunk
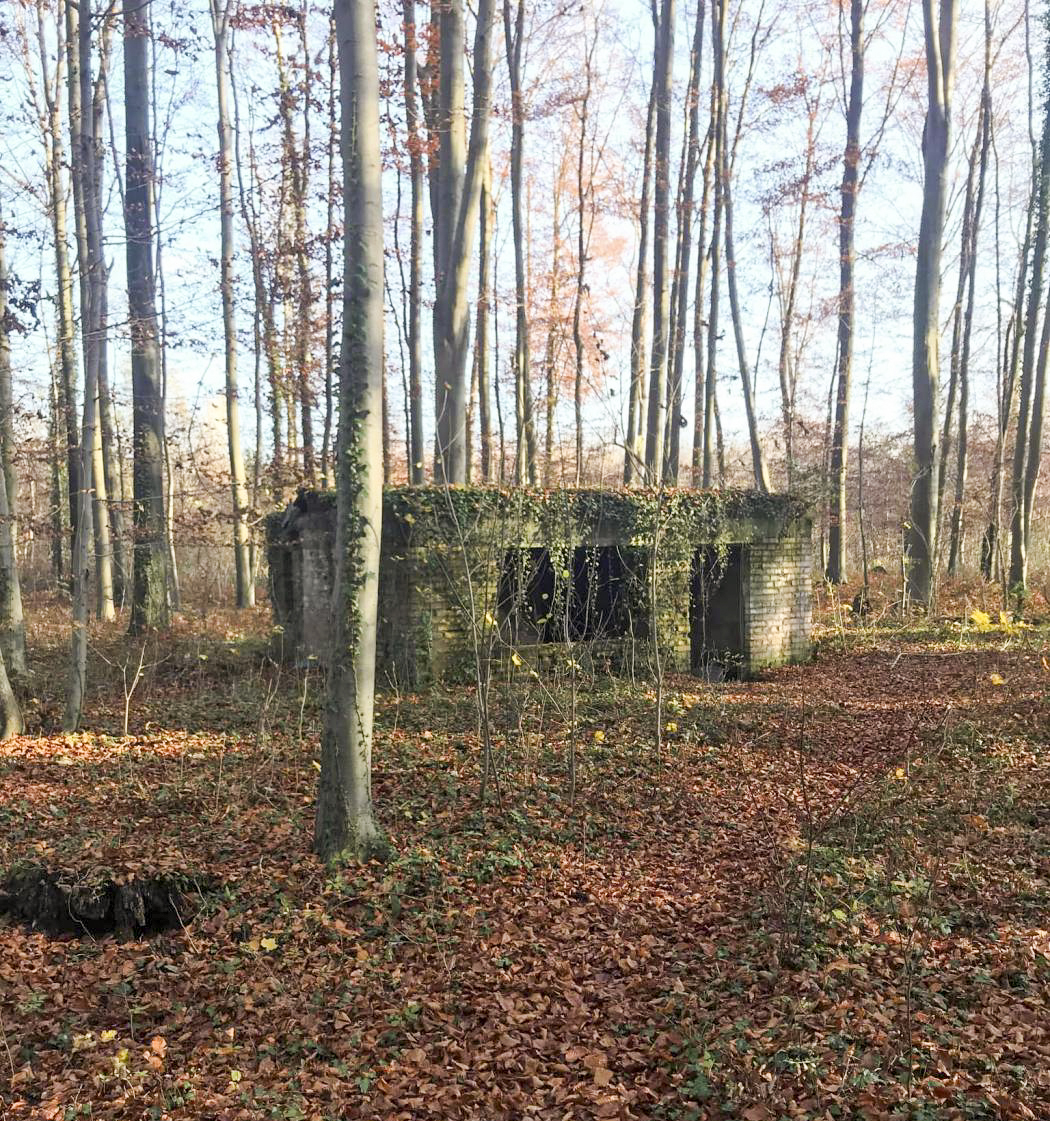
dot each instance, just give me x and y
(149, 601)
(345, 823)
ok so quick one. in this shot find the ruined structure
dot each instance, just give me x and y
(717, 582)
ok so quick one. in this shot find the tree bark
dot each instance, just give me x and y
(78, 47)
(455, 199)
(149, 602)
(683, 252)
(836, 569)
(761, 472)
(345, 823)
(417, 453)
(525, 461)
(657, 414)
(12, 619)
(245, 585)
(634, 440)
(921, 537)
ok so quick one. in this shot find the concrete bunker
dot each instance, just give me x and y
(719, 579)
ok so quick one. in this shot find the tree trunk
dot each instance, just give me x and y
(836, 570)
(634, 450)
(680, 287)
(12, 620)
(957, 530)
(921, 538)
(657, 415)
(345, 823)
(78, 46)
(417, 453)
(221, 12)
(1027, 443)
(525, 464)
(761, 472)
(481, 333)
(149, 601)
(581, 266)
(456, 199)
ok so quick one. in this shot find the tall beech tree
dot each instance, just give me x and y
(416, 451)
(455, 197)
(221, 14)
(345, 823)
(149, 600)
(663, 60)
(1032, 388)
(514, 38)
(837, 516)
(921, 537)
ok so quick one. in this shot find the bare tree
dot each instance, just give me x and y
(221, 13)
(939, 34)
(836, 569)
(12, 620)
(455, 197)
(415, 267)
(657, 414)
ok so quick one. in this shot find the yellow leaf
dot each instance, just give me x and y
(981, 620)
(996, 679)
(107, 1036)
(235, 1076)
(901, 774)
(268, 943)
(515, 658)
(671, 727)
(599, 736)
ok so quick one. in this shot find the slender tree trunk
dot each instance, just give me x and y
(12, 620)
(417, 454)
(78, 46)
(481, 333)
(680, 287)
(221, 12)
(957, 529)
(583, 113)
(345, 822)
(514, 35)
(149, 603)
(699, 323)
(939, 28)
(657, 416)
(1028, 440)
(457, 195)
(715, 256)
(836, 570)
(761, 472)
(634, 441)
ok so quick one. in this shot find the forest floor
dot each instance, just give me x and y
(825, 895)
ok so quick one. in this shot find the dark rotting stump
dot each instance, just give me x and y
(60, 903)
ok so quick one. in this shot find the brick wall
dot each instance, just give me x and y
(438, 600)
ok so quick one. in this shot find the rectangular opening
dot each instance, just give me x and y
(716, 609)
(584, 602)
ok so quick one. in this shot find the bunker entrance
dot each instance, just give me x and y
(716, 609)
(586, 601)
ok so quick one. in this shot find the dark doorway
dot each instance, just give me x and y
(539, 605)
(717, 612)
